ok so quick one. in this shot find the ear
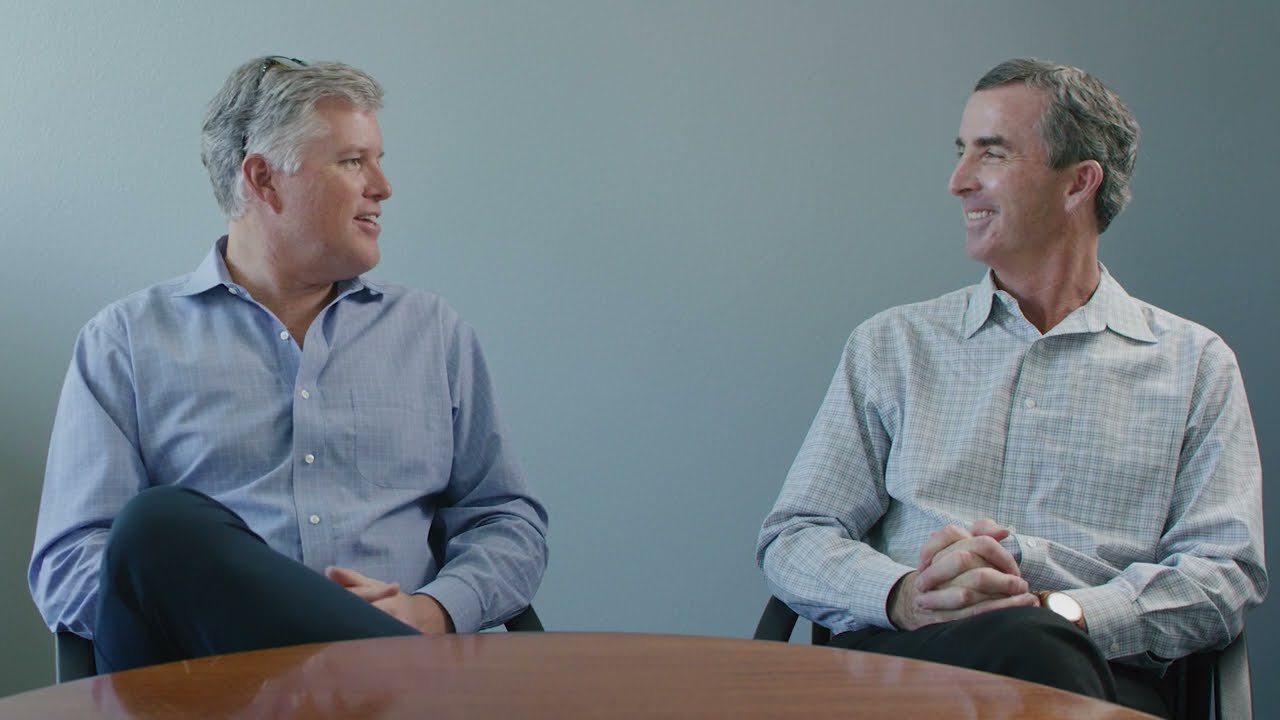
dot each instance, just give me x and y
(1086, 176)
(259, 180)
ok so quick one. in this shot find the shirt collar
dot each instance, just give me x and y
(975, 316)
(1109, 307)
(212, 272)
(1113, 308)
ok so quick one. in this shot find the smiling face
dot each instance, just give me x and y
(326, 226)
(1015, 205)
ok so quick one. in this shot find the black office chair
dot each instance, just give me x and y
(525, 621)
(1211, 684)
(778, 620)
(73, 655)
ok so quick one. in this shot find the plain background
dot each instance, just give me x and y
(663, 218)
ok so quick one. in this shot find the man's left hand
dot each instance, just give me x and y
(419, 611)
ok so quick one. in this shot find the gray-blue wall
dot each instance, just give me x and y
(664, 218)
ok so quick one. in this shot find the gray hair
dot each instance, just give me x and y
(1084, 120)
(267, 106)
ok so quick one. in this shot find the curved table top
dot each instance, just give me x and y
(553, 675)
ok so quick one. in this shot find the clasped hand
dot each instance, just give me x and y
(419, 611)
(962, 573)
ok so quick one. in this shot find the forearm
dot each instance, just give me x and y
(74, 520)
(491, 571)
(63, 580)
(811, 549)
(830, 579)
(1150, 612)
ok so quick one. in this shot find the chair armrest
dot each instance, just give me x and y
(525, 621)
(776, 622)
(72, 657)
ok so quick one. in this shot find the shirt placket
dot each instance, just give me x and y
(313, 464)
(1026, 433)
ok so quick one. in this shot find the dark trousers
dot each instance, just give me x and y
(1026, 643)
(183, 576)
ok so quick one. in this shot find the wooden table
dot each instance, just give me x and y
(553, 675)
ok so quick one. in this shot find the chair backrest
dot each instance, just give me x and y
(73, 655)
(1211, 684)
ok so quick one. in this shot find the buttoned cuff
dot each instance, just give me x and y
(1110, 612)
(1111, 615)
(459, 600)
(878, 579)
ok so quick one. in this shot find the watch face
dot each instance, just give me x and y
(1066, 606)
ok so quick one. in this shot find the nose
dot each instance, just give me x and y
(963, 179)
(379, 187)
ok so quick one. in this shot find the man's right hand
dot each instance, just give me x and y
(962, 573)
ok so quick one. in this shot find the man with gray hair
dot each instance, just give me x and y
(275, 449)
(1038, 475)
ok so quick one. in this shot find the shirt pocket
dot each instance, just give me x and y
(402, 440)
(1119, 471)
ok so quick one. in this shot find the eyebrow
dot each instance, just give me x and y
(361, 149)
(985, 141)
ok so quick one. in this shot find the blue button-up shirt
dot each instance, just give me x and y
(1118, 448)
(377, 445)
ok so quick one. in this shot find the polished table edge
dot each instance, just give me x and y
(262, 667)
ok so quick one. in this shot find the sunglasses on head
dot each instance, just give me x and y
(268, 63)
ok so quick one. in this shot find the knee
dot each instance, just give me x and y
(1037, 645)
(157, 522)
(1032, 634)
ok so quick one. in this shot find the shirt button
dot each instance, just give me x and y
(309, 458)
(1031, 542)
(315, 519)
(305, 395)
(284, 334)
(1030, 403)
(233, 291)
(1115, 647)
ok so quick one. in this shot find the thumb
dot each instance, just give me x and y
(990, 528)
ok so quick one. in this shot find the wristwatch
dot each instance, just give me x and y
(1064, 605)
